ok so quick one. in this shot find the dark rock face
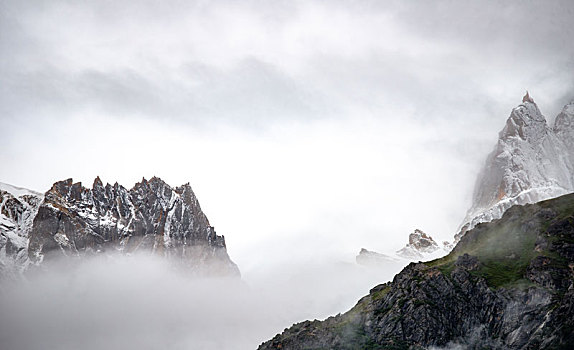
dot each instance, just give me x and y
(151, 218)
(508, 284)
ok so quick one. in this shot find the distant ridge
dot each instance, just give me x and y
(72, 221)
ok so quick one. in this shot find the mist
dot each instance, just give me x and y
(140, 302)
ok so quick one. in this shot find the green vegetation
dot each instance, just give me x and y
(381, 293)
(504, 274)
(444, 264)
(506, 247)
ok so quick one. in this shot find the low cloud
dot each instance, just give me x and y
(140, 302)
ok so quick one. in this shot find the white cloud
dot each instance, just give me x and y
(139, 302)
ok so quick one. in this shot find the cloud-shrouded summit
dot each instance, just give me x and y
(531, 162)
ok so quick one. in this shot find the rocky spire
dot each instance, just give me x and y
(527, 98)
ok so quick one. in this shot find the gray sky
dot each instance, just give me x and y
(305, 127)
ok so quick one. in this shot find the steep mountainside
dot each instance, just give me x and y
(151, 218)
(530, 163)
(508, 284)
(18, 207)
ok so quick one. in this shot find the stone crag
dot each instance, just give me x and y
(73, 221)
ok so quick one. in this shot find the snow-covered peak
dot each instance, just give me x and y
(531, 162)
(422, 241)
(422, 246)
(526, 122)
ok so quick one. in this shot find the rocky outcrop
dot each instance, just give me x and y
(18, 207)
(531, 162)
(527, 98)
(508, 284)
(420, 246)
(73, 221)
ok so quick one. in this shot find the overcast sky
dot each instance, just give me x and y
(304, 127)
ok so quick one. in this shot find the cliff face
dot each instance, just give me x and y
(18, 207)
(508, 284)
(531, 162)
(152, 218)
(564, 128)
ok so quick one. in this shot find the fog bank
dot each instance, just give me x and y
(139, 302)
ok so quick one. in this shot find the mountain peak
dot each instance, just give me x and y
(565, 120)
(527, 98)
(420, 245)
(525, 122)
(97, 183)
(531, 162)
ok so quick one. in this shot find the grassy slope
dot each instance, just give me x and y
(506, 247)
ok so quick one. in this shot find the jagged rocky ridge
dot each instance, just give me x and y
(508, 284)
(152, 218)
(531, 162)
